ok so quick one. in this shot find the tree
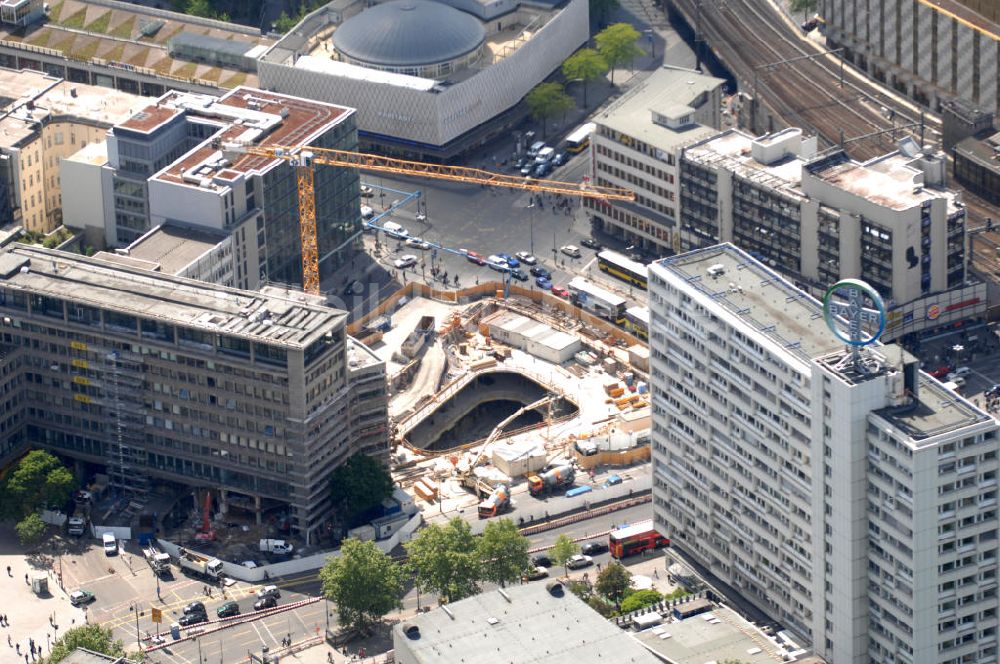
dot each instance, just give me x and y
(39, 479)
(444, 560)
(30, 529)
(363, 582)
(357, 486)
(804, 6)
(548, 100)
(613, 582)
(503, 552)
(601, 8)
(204, 9)
(617, 44)
(92, 637)
(586, 65)
(640, 599)
(285, 22)
(562, 551)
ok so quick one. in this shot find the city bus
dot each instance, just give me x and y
(637, 322)
(622, 267)
(580, 138)
(638, 537)
(596, 300)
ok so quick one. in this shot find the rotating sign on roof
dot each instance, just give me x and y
(855, 313)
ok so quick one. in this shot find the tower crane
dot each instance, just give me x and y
(304, 158)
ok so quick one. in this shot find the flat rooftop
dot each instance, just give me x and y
(520, 624)
(759, 296)
(50, 96)
(244, 115)
(173, 248)
(983, 148)
(131, 37)
(938, 410)
(274, 316)
(891, 181)
(733, 151)
(666, 91)
(719, 636)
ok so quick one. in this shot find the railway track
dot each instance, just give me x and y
(748, 35)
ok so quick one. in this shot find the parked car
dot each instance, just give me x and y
(571, 250)
(526, 258)
(189, 619)
(194, 607)
(541, 560)
(543, 283)
(265, 603)
(81, 597)
(110, 544)
(539, 271)
(559, 159)
(511, 261)
(528, 168)
(268, 591)
(594, 548)
(228, 609)
(354, 288)
(579, 561)
(591, 243)
(418, 243)
(560, 291)
(941, 371)
(473, 257)
(366, 191)
(612, 480)
(542, 170)
(518, 274)
(496, 263)
(537, 572)
(405, 261)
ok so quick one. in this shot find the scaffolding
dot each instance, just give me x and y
(126, 448)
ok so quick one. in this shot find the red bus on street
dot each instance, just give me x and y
(638, 537)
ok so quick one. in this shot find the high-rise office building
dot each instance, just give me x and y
(855, 502)
(151, 377)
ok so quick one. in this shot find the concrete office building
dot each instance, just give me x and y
(151, 377)
(857, 507)
(166, 164)
(929, 50)
(43, 119)
(637, 145)
(431, 80)
(889, 221)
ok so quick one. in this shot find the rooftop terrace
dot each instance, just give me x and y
(173, 248)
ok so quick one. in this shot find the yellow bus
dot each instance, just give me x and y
(626, 269)
(580, 138)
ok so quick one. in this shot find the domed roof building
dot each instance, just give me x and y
(415, 37)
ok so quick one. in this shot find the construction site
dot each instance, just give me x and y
(498, 402)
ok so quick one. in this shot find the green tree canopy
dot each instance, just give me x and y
(363, 582)
(804, 6)
(547, 100)
(586, 65)
(613, 582)
(503, 552)
(640, 599)
(204, 9)
(30, 529)
(92, 637)
(617, 44)
(445, 560)
(357, 486)
(563, 549)
(39, 479)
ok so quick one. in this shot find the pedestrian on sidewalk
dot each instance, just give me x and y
(8, 572)
(26, 579)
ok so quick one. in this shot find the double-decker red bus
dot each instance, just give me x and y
(638, 537)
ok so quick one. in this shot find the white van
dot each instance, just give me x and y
(392, 229)
(535, 148)
(957, 380)
(545, 155)
(110, 544)
(367, 212)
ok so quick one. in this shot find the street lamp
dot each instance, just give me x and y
(135, 610)
(531, 222)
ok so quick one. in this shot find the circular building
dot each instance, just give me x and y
(415, 37)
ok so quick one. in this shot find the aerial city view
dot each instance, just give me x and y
(488, 331)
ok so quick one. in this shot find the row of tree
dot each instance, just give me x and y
(38, 481)
(615, 45)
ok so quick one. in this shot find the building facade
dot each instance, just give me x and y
(152, 377)
(817, 219)
(930, 51)
(166, 164)
(855, 504)
(45, 119)
(637, 145)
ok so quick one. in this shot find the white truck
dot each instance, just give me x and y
(158, 561)
(200, 566)
(276, 546)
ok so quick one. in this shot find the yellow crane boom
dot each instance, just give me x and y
(305, 158)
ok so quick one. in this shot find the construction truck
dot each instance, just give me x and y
(551, 480)
(497, 503)
(275, 546)
(158, 561)
(200, 566)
